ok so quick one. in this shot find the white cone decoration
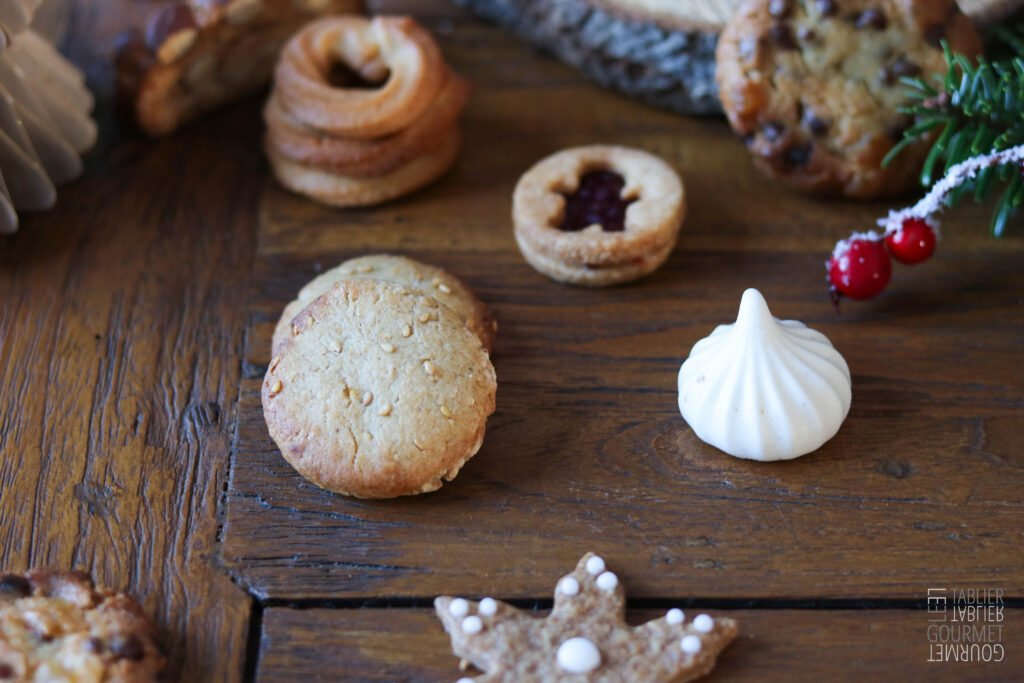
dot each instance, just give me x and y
(763, 388)
(45, 122)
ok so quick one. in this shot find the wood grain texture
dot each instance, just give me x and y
(797, 646)
(135, 325)
(121, 327)
(587, 450)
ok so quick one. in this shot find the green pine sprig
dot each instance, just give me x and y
(977, 109)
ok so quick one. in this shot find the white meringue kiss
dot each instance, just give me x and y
(763, 388)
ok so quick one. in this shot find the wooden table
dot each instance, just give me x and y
(135, 325)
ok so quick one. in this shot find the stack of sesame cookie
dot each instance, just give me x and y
(381, 381)
(363, 111)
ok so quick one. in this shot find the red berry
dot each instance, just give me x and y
(861, 270)
(913, 242)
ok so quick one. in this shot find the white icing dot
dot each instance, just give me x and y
(487, 607)
(568, 586)
(578, 656)
(458, 607)
(703, 623)
(595, 565)
(464, 680)
(472, 625)
(691, 645)
(607, 581)
(674, 617)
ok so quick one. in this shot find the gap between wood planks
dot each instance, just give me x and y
(823, 604)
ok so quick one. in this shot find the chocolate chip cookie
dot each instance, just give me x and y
(813, 86)
(56, 626)
(381, 391)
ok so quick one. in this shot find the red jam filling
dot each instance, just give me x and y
(598, 199)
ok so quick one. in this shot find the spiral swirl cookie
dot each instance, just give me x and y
(394, 52)
(56, 626)
(430, 280)
(300, 144)
(598, 215)
(363, 111)
(813, 86)
(381, 391)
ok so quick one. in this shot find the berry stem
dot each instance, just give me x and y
(934, 202)
(924, 211)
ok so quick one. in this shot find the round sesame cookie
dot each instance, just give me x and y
(598, 215)
(813, 86)
(382, 392)
(56, 626)
(436, 282)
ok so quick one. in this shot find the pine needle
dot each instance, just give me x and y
(979, 108)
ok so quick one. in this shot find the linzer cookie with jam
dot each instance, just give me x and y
(598, 215)
(198, 55)
(56, 626)
(813, 86)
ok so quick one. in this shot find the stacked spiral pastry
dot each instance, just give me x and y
(362, 111)
(45, 124)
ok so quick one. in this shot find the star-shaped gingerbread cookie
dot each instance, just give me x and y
(585, 638)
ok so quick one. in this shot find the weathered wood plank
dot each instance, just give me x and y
(587, 450)
(121, 331)
(773, 645)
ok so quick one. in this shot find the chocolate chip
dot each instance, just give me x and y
(12, 585)
(96, 646)
(896, 129)
(6, 670)
(934, 34)
(779, 8)
(806, 34)
(128, 648)
(782, 35)
(166, 22)
(797, 156)
(871, 18)
(826, 8)
(898, 69)
(773, 131)
(817, 125)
